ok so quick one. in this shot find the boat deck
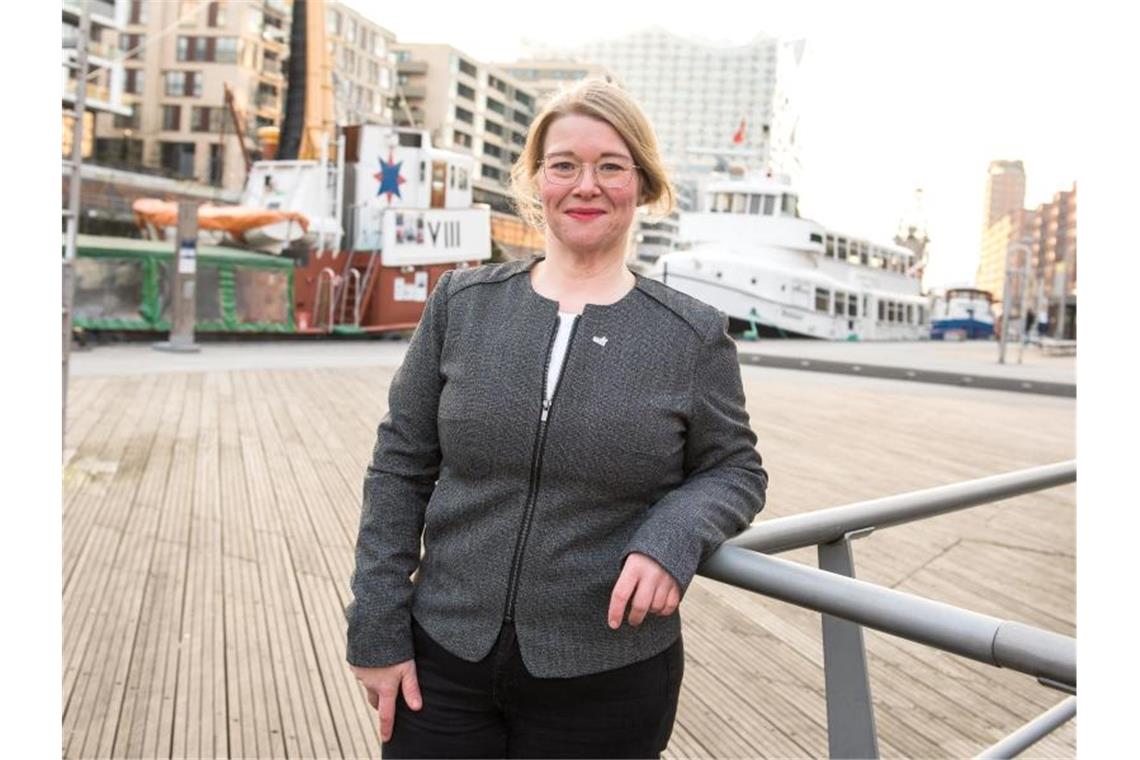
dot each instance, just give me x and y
(209, 519)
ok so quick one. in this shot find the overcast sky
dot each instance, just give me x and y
(895, 95)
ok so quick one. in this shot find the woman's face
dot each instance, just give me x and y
(586, 217)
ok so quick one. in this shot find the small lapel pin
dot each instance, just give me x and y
(600, 341)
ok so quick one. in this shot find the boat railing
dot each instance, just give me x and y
(325, 275)
(849, 604)
(351, 285)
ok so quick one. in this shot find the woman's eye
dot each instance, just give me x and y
(563, 166)
(612, 168)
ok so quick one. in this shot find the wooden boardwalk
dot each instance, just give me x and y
(209, 520)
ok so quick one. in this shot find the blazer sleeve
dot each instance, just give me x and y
(398, 483)
(725, 482)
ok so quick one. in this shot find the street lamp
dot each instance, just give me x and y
(1011, 273)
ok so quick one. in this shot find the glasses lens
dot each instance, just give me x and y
(562, 172)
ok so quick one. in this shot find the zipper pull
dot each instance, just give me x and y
(545, 409)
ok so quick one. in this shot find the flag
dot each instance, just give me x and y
(738, 138)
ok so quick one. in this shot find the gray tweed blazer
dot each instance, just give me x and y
(646, 448)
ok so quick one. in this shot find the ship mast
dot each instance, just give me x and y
(912, 234)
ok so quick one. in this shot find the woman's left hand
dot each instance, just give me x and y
(650, 587)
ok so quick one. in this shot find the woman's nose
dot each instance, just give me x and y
(588, 182)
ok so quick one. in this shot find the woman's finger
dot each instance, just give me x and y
(660, 599)
(411, 686)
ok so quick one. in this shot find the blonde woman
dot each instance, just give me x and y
(570, 441)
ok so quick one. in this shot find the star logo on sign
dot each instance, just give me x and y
(389, 176)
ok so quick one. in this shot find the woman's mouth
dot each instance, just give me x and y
(585, 214)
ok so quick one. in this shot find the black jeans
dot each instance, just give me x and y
(495, 708)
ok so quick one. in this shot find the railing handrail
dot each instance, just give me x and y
(1036, 652)
(827, 525)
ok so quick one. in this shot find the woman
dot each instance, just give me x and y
(570, 441)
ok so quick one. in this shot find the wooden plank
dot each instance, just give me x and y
(97, 705)
(266, 525)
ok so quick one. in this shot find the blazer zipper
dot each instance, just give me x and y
(536, 466)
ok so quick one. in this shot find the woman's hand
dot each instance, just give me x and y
(384, 684)
(649, 585)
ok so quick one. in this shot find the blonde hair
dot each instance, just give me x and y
(607, 102)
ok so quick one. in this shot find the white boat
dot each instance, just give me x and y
(962, 313)
(749, 253)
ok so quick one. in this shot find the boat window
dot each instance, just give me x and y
(769, 205)
(830, 246)
(462, 179)
(864, 306)
(910, 313)
(852, 305)
(890, 311)
(841, 249)
(877, 258)
(839, 303)
(739, 202)
(882, 311)
(822, 300)
(921, 315)
(863, 258)
(789, 205)
(754, 204)
(723, 202)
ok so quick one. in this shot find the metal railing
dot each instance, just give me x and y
(848, 604)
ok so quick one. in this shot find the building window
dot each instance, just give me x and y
(840, 303)
(127, 122)
(214, 175)
(525, 99)
(130, 45)
(522, 118)
(171, 118)
(137, 13)
(492, 127)
(492, 150)
(133, 82)
(332, 21)
(462, 179)
(183, 84)
(177, 157)
(822, 300)
(910, 313)
(351, 36)
(491, 172)
(464, 115)
(226, 50)
(204, 119)
(188, 12)
(769, 205)
(461, 138)
(496, 106)
(518, 139)
(468, 68)
(216, 15)
(882, 311)
(464, 91)
(852, 305)
(754, 204)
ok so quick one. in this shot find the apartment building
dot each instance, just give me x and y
(1050, 231)
(546, 78)
(104, 91)
(1005, 190)
(468, 106)
(179, 57)
(697, 95)
(364, 66)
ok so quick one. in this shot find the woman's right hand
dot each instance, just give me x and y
(384, 685)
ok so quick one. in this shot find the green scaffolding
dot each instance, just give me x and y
(126, 284)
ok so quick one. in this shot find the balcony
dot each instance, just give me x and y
(414, 91)
(411, 67)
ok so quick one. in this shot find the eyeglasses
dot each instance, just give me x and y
(610, 173)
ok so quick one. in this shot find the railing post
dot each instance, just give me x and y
(850, 713)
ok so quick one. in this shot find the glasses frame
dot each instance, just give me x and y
(543, 163)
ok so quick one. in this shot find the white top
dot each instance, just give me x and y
(558, 351)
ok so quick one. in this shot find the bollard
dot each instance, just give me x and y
(182, 294)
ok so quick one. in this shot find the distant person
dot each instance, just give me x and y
(566, 473)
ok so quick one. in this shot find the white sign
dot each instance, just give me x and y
(435, 236)
(187, 258)
(417, 290)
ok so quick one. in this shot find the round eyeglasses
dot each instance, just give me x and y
(610, 173)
